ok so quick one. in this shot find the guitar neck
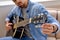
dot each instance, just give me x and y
(36, 19)
(22, 23)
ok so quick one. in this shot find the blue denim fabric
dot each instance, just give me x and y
(11, 38)
(8, 38)
(36, 33)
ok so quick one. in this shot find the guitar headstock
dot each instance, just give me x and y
(40, 18)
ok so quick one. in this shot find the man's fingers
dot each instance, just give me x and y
(10, 24)
(47, 26)
(47, 31)
(8, 28)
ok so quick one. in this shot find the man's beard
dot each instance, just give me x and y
(22, 6)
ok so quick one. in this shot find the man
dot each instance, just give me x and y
(32, 9)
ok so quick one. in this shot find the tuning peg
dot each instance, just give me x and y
(38, 15)
(34, 22)
(30, 20)
(37, 21)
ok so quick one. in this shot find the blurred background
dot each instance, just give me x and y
(7, 5)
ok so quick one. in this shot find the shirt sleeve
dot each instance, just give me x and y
(39, 8)
(10, 15)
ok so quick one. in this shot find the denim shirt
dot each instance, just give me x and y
(32, 10)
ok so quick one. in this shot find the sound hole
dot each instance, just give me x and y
(18, 32)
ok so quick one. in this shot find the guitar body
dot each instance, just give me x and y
(18, 32)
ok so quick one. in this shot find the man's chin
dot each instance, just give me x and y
(21, 6)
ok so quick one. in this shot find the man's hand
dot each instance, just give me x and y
(48, 28)
(8, 26)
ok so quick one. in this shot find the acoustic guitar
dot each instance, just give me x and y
(19, 27)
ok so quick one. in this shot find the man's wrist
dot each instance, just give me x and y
(55, 28)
